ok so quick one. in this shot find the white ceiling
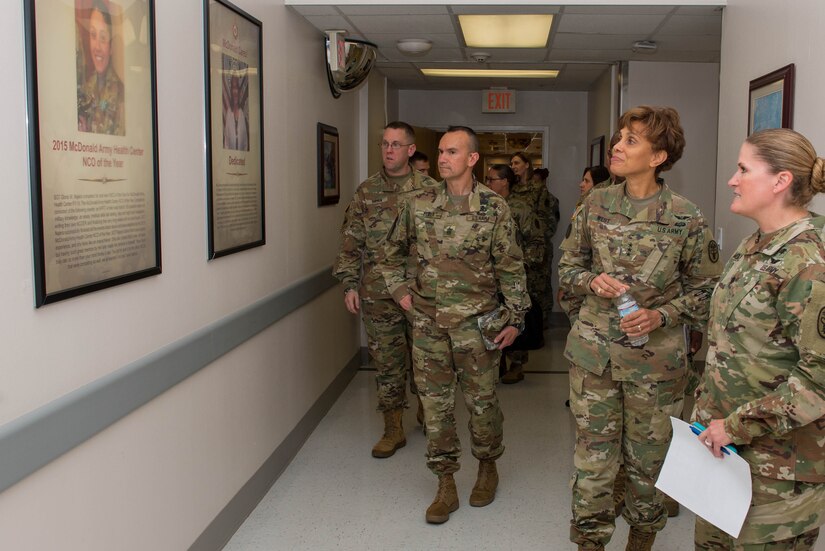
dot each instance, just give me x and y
(584, 40)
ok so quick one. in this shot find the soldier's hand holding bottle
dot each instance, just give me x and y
(635, 324)
(641, 322)
(606, 286)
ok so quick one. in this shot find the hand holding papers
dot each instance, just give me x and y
(718, 490)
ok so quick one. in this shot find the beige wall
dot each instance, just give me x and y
(155, 479)
(599, 110)
(693, 90)
(760, 36)
(377, 118)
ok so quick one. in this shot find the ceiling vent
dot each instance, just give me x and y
(645, 47)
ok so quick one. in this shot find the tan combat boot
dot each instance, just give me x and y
(514, 374)
(640, 541)
(484, 492)
(393, 434)
(445, 502)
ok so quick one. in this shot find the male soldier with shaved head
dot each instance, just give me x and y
(466, 254)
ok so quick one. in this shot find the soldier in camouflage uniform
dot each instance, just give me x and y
(549, 212)
(546, 206)
(593, 177)
(644, 238)
(366, 223)
(100, 102)
(530, 237)
(764, 382)
(467, 256)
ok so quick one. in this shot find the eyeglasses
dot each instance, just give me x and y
(395, 146)
(488, 179)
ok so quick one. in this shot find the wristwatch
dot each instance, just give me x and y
(664, 317)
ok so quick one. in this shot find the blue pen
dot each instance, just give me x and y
(697, 428)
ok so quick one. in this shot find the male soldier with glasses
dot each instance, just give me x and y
(366, 223)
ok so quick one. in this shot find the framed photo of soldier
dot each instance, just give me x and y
(770, 100)
(329, 166)
(90, 76)
(234, 129)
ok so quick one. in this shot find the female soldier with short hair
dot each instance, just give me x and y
(643, 238)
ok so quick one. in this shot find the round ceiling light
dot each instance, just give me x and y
(414, 46)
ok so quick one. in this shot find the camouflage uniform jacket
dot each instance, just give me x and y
(530, 236)
(571, 304)
(765, 373)
(366, 223)
(667, 257)
(465, 256)
(103, 108)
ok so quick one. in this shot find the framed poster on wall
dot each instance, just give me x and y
(90, 71)
(770, 100)
(234, 129)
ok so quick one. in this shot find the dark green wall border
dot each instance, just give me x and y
(41, 436)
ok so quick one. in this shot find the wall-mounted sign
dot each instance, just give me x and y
(498, 101)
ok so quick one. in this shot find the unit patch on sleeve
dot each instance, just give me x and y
(713, 251)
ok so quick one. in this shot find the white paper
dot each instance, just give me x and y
(718, 490)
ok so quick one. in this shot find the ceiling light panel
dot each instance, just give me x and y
(506, 31)
(491, 73)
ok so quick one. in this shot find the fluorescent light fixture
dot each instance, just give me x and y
(491, 73)
(506, 31)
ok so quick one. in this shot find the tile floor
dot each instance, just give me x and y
(335, 496)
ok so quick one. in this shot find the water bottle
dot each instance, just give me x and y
(626, 304)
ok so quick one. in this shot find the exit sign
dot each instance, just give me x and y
(498, 101)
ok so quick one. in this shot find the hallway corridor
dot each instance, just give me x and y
(335, 496)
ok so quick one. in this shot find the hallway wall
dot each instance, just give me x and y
(693, 90)
(156, 478)
(564, 114)
(760, 36)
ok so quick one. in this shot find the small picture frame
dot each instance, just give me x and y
(770, 100)
(597, 151)
(329, 166)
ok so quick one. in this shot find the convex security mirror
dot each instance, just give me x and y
(348, 61)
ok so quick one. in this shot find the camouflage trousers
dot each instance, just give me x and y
(619, 421)
(784, 516)
(388, 340)
(516, 357)
(545, 289)
(442, 360)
